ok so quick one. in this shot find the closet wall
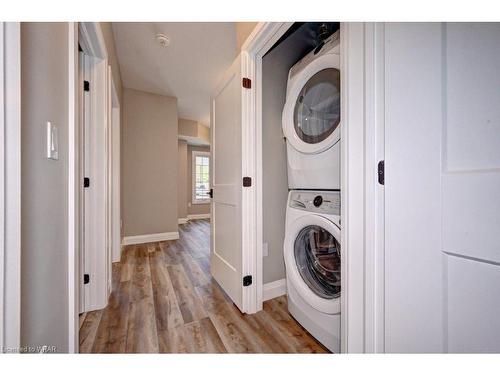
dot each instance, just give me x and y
(275, 66)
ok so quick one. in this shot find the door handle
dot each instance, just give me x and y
(211, 193)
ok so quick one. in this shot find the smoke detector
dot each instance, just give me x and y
(162, 39)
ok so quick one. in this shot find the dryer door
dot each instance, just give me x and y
(311, 116)
(312, 257)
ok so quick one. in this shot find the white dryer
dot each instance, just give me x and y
(311, 119)
(312, 261)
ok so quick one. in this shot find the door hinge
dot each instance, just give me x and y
(247, 83)
(247, 181)
(381, 172)
(86, 86)
(86, 182)
(86, 278)
(247, 280)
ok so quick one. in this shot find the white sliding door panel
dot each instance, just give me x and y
(226, 128)
(442, 243)
(413, 269)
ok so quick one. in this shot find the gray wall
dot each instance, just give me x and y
(149, 163)
(275, 67)
(194, 209)
(44, 260)
(243, 30)
(182, 203)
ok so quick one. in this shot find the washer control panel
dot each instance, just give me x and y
(325, 202)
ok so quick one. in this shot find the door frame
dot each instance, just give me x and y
(10, 190)
(115, 131)
(362, 200)
(89, 36)
(74, 195)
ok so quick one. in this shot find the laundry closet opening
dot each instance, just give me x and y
(297, 42)
(301, 176)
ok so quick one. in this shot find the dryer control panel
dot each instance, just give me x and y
(324, 202)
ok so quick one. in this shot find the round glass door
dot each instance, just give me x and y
(317, 255)
(317, 109)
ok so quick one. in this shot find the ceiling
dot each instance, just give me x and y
(194, 141)
(188, 69)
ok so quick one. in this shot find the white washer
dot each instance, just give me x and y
(311, 119)
(312, 261)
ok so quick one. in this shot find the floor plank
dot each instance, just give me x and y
(165, 300)
(88, 330)
(142, 335)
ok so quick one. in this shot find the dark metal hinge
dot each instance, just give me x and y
(86, 182)
(86, 278)
(86, 86)
(247, 280)
(247, 83)
(381, 172)
(247, 181)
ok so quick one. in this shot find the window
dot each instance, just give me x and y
(201, 177)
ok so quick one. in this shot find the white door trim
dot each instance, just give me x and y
(258, 43)
(10, 190)
(90, 37)
(115, 173)
(73, 189)
(374, 192)
(362, 148)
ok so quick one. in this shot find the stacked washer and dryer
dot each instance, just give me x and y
(311, 125)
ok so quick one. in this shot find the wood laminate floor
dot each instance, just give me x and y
(165, 301)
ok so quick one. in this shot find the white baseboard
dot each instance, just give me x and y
(155, 237)
(274, 289)
(182, 220)
(199, 216)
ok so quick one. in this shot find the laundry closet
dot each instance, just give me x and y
(301, 155)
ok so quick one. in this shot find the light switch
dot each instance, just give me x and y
(265, 249)
(52, 142)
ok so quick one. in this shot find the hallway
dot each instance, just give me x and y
(165, 301)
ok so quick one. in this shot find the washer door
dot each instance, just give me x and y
(311, 116)
(312, 258)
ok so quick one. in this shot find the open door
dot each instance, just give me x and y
(226, 181)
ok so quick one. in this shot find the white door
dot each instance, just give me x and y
(84, 112)
(442, 186)
(226, 177)
(95, 257)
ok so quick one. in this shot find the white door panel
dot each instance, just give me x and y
(442, 146)
(473, 307)
(471, 110)
(226, 251)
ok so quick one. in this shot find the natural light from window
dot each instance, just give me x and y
(201, 177)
